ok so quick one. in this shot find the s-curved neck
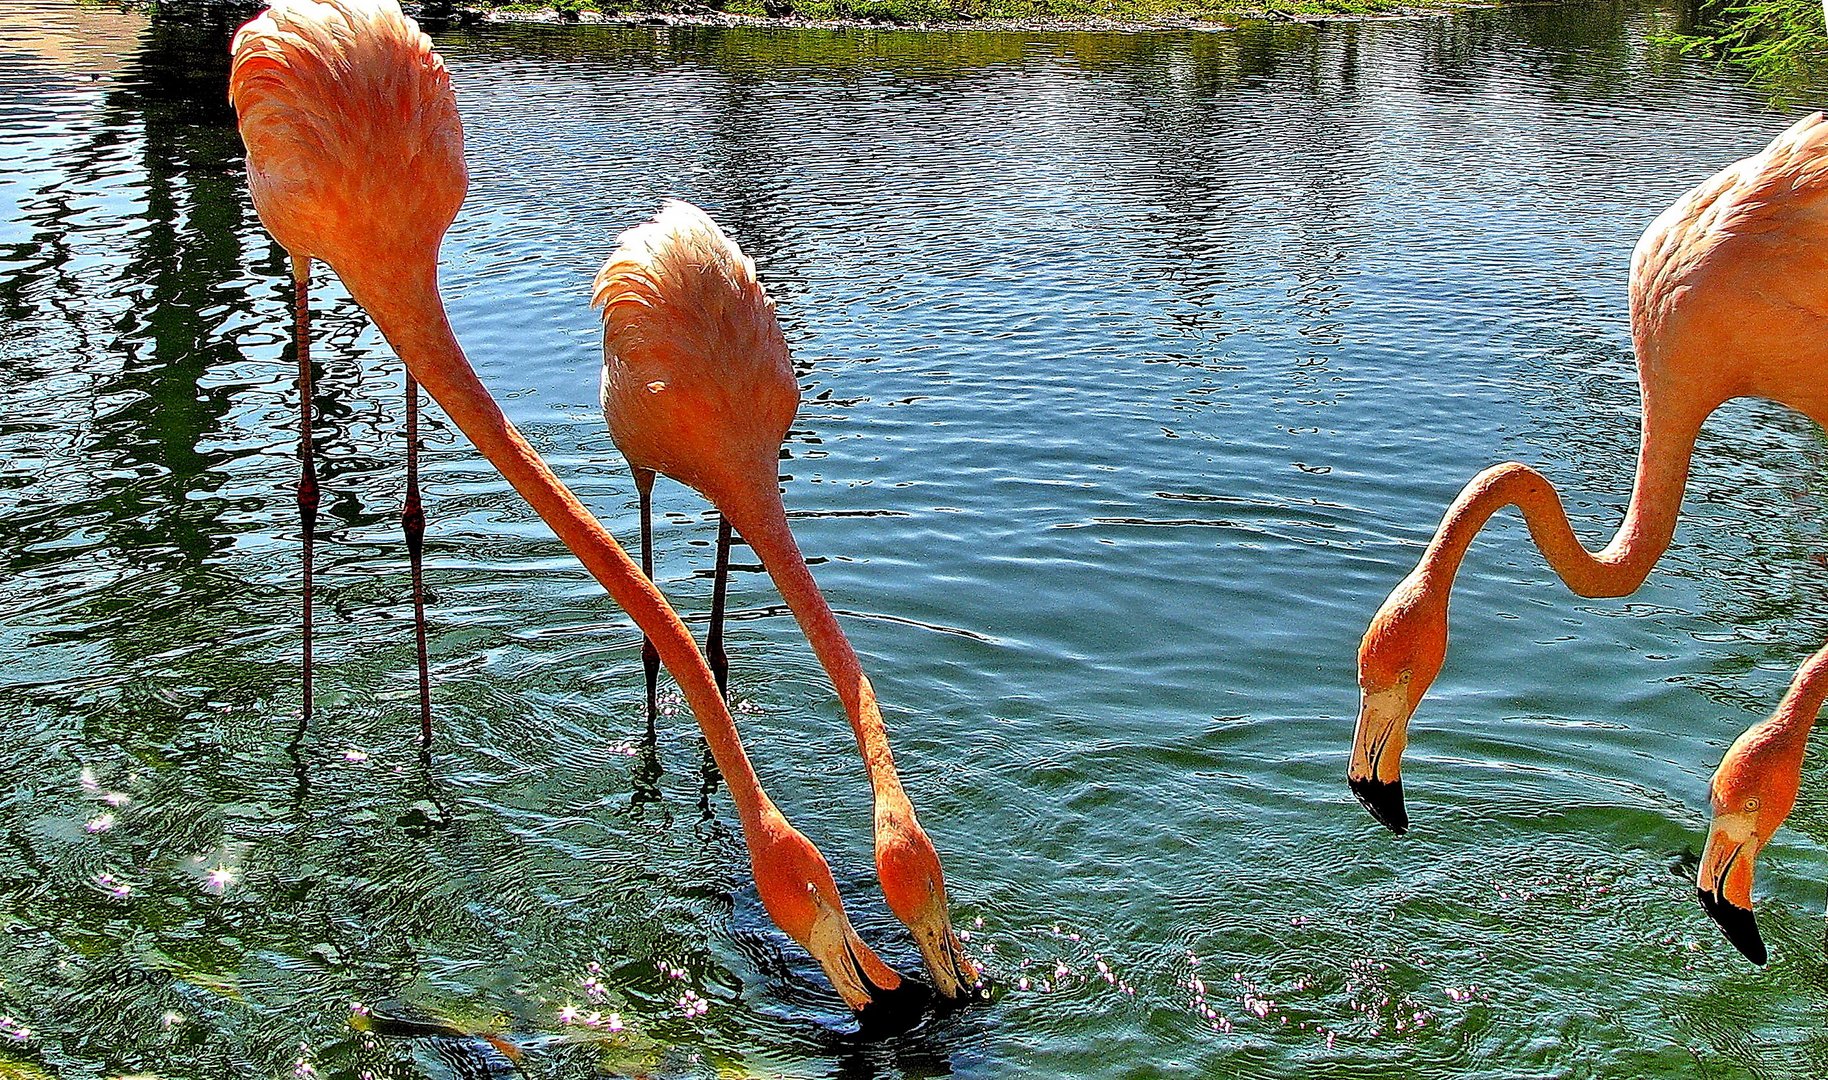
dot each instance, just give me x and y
(411, 315)
(762, 521)
(1615, 570)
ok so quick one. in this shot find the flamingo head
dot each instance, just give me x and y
(1400, 656)
(797, 889)
(915, 888)
(1752, 792)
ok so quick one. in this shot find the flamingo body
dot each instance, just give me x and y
(697, 381)
(339, 103)
(1729, 286)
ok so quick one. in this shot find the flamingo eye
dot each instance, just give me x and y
(1751, 804)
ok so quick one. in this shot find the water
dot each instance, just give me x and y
(1137, 368)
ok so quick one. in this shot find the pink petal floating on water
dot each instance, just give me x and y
(113, 886)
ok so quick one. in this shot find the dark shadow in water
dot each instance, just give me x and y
(645, 777)
(430, 813)
(931, 1042)
(711, 828)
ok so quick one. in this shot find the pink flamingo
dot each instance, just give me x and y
(697, 385)
(355, 158)
(1729, 298)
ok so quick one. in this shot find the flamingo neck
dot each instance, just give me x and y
(1615, 570)
(410, 313)
(762, 521)
(1788, 727)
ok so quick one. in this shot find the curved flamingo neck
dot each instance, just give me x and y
(410, 313)
(1615, 570)
(762, 521)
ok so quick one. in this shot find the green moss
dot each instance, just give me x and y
(959, 11)
(18, 1068)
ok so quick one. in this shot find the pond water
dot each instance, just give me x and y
(1137, 368)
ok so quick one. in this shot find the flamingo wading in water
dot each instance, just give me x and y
(697, 385)
(1729, 299)
(355, 158)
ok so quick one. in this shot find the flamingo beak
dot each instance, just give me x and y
(1375, 772)
(954, 975)
(1724, 882)
(870, 987)
(892, 1008)
(1385, 801)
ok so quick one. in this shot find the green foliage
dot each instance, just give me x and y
(953, 11)
(1783, 42)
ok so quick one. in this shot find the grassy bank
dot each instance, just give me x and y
(965, 11)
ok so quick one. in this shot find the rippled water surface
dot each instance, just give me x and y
(1137, 368)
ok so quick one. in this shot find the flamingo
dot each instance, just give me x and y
(1729, 298)
(355, 158)
(697, 385)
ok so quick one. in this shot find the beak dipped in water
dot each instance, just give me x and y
(954, 975)
(1724, 882)
(879, 996)
(1375, 773)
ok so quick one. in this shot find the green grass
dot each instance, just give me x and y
(958, 11)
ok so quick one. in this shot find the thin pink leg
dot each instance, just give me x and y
(412, 519)
(307, 475)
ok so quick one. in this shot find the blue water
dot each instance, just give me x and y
(1137, 369)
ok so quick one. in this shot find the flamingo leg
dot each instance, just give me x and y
(650, 656)
(412, 521)
(720, 581)
(714, 651)
(307, 474)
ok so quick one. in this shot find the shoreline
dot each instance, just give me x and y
(707, 17)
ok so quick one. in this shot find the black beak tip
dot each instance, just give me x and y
(891, 1011)
(1384, 798)
(1739, 925)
